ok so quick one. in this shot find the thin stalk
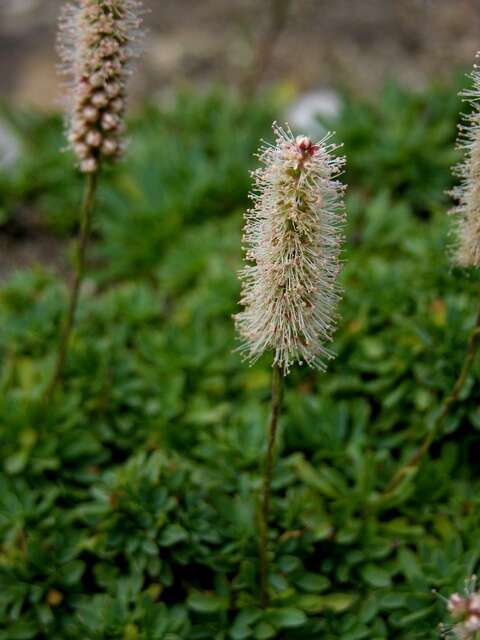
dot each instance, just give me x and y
(277, 393)
(67, 325)
(449, 401)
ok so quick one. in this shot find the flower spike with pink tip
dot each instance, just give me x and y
(293, 237)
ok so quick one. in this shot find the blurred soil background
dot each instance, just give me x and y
(305, 46)
(353, 43)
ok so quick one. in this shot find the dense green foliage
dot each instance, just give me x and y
(128, 506)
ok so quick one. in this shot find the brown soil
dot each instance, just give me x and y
(357, 43)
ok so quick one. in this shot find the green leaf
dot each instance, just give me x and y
(337, 602)
(241, 627)
(171, 535)
(207, 603)
(265, 631)
(376, 576)
(287, 618)
(312, 582)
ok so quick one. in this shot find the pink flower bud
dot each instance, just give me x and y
(94, 138)
(89, 166)
(97, 79)
(82, 150)
(457, 605)
(112, 89)
(109, 147)
(73, 137)
(90, 114)
(109, 121)
(472, 623)
(303, 142)
(474, 603)
(112, 67)
(99, 99)
(117, 105)
(109, 46)
(305, 145)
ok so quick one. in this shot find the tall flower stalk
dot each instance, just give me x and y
(465, 253)
(98, 41)
(293, 238)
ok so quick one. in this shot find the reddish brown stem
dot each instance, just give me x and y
(449, 401)
(67, 326)
(277, 392)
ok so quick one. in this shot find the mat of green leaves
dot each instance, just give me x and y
(129, 510)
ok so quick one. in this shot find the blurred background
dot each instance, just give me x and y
(317, 43)
(310, 51)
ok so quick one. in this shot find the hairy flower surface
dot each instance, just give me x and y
(293, 238)
(465, 611)
(467, 194)
(98, 41)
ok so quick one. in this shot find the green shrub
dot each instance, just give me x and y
(128, 510)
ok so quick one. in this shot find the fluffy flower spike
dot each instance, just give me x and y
(467, 193)
(465, 612)
(98, 41)
(293, 237)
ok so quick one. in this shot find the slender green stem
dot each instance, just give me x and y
(67, 325)
(277, 392)
(449, 401)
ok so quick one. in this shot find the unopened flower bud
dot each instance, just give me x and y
(109, 147)
(99, 99)
(112, 67)
(303, 142)
(112, 89)
(457, 605)
(472, 624)
(97, 79)
(90, 114)
(117, 105)
(94, 138)
(109, 121)
(109, 46)
(82, 150)
(474, 603)
(89, 166)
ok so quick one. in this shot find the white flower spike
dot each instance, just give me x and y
(467, 193)
(293, 238)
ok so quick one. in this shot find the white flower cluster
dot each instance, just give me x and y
(467, 193)
(293, 237)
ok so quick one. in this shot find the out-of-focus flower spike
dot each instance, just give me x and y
(467, 193)
(98, 42)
